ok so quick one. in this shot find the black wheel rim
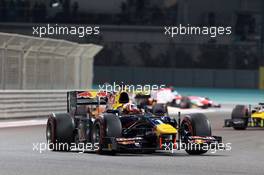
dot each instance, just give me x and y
(96, 134)
(186, 130)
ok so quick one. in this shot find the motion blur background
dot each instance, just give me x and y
(135, 49)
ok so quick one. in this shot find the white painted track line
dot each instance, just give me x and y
(20, 123)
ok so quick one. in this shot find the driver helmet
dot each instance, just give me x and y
(129, 108)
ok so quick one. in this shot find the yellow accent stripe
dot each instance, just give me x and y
(262, 123)
(261, 78)
(165, 129)
(258, 115)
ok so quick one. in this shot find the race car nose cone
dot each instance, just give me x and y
(165, 129)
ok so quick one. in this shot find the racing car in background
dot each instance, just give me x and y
(203, 102)
(125, 128)
(170, 97)
(244, 116)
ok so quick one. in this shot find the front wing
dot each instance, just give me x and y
(141, 144)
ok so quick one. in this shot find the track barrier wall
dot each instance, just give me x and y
(31, 103)
(205, 78)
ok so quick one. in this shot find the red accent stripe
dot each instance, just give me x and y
(160, 143)
(174, 143)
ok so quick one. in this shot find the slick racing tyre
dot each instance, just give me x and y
(185, 103)
(109, 126)
(195, 125)
(60, 132)
(240, 112)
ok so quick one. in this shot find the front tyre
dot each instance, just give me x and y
(195, 125)
(240, 112)
(108, 126)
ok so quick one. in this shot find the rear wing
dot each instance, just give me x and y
(92, 97)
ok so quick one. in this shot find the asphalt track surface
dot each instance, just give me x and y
(246, 157)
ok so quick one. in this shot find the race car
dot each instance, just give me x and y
(203, 102)
(243, 117)
(88, 120)
(170, 97)
(165, 96)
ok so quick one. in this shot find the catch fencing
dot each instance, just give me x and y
(38, 63)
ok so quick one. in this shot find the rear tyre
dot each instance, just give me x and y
(240, 112)
(195, 125)
(51, 133)
(109, 126)
(60, 132)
